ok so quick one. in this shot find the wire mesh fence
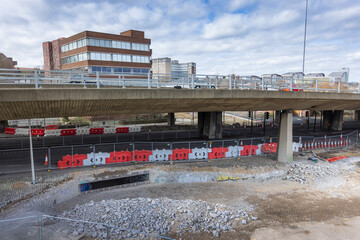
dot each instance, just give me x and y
(61, 157)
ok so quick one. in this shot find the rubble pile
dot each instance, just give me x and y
(305, 173)
(155, 216)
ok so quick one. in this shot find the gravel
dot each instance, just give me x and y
(155, 216)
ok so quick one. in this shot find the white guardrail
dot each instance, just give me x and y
(38, 78)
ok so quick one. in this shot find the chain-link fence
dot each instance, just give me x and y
(61, 157)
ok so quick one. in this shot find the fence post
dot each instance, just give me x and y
(316, 85)
(36, 79)
(149, 85)
(72, 155)
(171, 149)
(133, 151)
(49, 154)
(107, 232)
(192, 81)
(262, 84)
(357, 136)
(230, 82)
(359, 88)
(291, 84)
(97, 80)
(339, 86)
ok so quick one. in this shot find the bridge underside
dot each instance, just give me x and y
(40, 103)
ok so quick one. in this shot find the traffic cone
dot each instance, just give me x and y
(322, 144)
(241, 143)
(46, 161)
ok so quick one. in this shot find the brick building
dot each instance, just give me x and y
(126, 53)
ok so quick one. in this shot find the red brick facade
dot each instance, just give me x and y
(52, 50)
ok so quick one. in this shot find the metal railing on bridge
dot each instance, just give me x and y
(40, 78)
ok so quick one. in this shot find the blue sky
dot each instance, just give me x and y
(222, 37)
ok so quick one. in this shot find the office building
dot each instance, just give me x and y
(126, 53)
(161, 67)
(166, 67)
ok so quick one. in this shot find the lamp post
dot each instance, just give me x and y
(306, 11)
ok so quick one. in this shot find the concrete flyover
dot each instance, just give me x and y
(23, 103)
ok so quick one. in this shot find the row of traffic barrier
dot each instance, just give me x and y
(92, 159)
(324, 143)
(70, 132)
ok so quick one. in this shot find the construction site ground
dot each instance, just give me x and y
(286, 205)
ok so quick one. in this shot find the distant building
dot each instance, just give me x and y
(339, 77)
(127, 53)
(314, 75)
(182, 70)
(166, 66)
(293, 75)
(161, 67)
(7, 62)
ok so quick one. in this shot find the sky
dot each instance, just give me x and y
(246, 37)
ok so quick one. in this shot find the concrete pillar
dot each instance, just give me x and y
(210, 124)
(284, 151)
(171, 119)
(327, 119)
(357, 115)
(338, 120)
(3, 125)
(277, 117)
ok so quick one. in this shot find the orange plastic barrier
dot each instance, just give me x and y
(269, 148)
(142, 155)
(249, 150)
(10, 131)
(67, 132)
(36, 132)
(122, 130)
(78, 160)
(335, 159)
(217, 153)
(180, 154)
(96, 130)
(117, 157)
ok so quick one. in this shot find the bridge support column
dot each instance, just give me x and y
(357, 115)
(277, 117)
(284, 151)
(171, 119)
(327, 119)
(338, 120)
(210, 124)
(3, 125)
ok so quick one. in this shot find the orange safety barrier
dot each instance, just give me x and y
(96, 130)
(269, 148)
(10, 131)
(122, 130)
(52, 127)
(249, 150)
(78, 159)
(66, 162)
(67, 132)
(142, 156)
(180, 154)
(217, 153)
(335, 159)
(36, 132)
(118, 157)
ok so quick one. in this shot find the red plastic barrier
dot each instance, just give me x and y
(67, 132)
(249, 150)
(217, 153)
(36, 132)
(78, 159)
(142, 155)
(335, 159)
(180, 154)
(96, 130)
(269, 148)
(66, 162)
(52, 127)
(10, 131)
(117, 157)
(122, 130)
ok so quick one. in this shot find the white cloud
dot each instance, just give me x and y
(240, 36)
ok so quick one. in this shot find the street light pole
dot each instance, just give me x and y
(31, 155)
(306, 11)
